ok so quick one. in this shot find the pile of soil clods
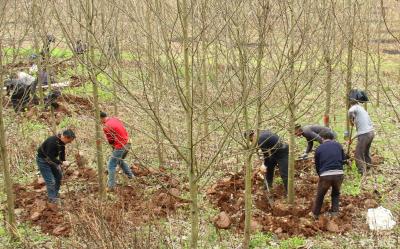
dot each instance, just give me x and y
(138, 200)
(280, 218)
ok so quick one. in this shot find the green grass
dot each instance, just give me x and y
(68, 122)
(61, 53)
(30, 127)
(266, 240)
(260, 240)
(291, 243)
(352, 183)
(86, 90)
(24, 52)
(30, 236)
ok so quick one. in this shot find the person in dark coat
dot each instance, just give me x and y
(275, 152)
(50, 158)
(311, 133)
(329, 159)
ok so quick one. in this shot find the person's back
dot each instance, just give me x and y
(268, 140)
(310, 132)
(275, 152)
(361, 119)
(329, 156)
(115, 130)
(316, 128)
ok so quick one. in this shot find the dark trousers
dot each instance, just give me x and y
(362, 156)
(280, 158)
(52, 177)
(324, 184)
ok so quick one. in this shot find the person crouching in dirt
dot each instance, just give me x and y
(275, 151)
(118, 137)
(365, 135)
(50, 158)
(329, 159)
(311, 134)
(20, 87)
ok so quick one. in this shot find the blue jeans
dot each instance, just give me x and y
(52, 177)
(116, 159)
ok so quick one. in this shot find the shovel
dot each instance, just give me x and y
(269, 194)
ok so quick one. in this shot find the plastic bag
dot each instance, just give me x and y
(380, 219)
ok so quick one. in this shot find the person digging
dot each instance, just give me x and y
(365, 135)
(118, 137)
(311, 133)
(275, 152)
(50, 158)
(329, 159)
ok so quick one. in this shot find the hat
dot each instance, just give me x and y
(103, 114)
(69, 133)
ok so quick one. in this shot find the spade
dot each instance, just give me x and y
(269, 194)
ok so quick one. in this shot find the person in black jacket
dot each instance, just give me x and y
(50, 157)
(275, 152)
(311, 133)
(329, 160)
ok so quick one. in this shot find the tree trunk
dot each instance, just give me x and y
(366, 83)
(328, 89)
(93, 78)
(349, 63)
(10, 215)
(292, 110)
(204, 67)
(378, 70)
(52, 114)
(248, 148)
(115, 61)
(329, 34)
(251, 147)
(194, 214)
(35, 17)
(155, 85)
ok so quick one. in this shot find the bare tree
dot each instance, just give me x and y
(8, 189)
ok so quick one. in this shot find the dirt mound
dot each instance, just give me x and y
(84, 103)
(78, 80)
(131, 200)
(281, 218)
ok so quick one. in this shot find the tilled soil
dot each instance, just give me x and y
(280, 218)
(138, 200)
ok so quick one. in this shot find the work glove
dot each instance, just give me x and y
(66, 163)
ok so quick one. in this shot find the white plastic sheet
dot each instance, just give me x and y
(380, 219)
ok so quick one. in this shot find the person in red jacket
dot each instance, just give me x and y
(118, 138)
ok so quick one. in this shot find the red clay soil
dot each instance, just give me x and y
(131, 198)
(228, 196)
(81, 102)
(77, 80)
